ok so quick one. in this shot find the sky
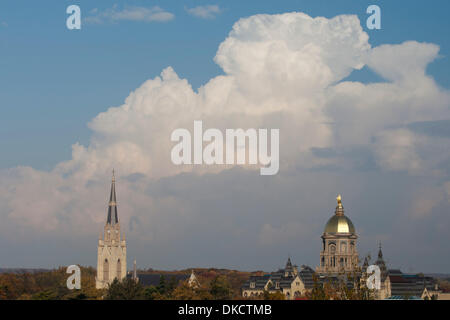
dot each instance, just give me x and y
(361, 112)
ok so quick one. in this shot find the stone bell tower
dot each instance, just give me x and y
(112, 249)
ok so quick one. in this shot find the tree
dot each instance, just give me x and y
(220, 288)
(162, 287)
(151, 293)
(185, 292)
(127, 289)
(318, 291)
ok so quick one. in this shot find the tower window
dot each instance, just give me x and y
(106, 270)
(119, 270)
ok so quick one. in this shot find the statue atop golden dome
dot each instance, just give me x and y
(339, 200)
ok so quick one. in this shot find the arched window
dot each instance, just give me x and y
(323, 261)
(106, 270)
(245, 294)
(341, 262)
(119, 270)
(332, 248)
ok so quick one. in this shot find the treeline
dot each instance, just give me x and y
(218, 288)
(49, 285)
(168, 289)
(217, 284)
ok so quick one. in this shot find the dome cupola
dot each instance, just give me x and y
(339, 223)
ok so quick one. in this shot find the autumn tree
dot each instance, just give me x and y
(220, 288)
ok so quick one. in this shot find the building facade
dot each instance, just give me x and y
(339, 253)
(112, 247)
(289, 281)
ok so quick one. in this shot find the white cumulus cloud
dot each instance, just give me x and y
(283, 71)
(143, 14)
(205, 12)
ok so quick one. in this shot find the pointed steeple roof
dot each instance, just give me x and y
(366, 263)
(193, 281)
(113, 218)
(380, 253)
(380, 263)
(289, 264)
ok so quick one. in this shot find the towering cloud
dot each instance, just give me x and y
(283, 71)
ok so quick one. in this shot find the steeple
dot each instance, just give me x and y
(112, 248)
(380, 253)
(289, 263)
(380, 263)
(193, 281)
(366, 263)
(113, 218)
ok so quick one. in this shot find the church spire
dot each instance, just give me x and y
(289, 263)
(380, 253)
(113, 218)
(381, 263)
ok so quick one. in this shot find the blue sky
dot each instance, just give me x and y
(388, 154)
(56, 80)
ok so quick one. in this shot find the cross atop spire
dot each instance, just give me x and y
(113, 218)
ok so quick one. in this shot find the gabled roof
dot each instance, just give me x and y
(305, 275)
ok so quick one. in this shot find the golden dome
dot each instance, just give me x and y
(339, 223)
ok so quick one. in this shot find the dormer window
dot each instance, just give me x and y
(252, 285)
(277, 285)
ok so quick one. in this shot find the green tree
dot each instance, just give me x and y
(151, 293)
(162, 286)
(220, 288)
(127, 289)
